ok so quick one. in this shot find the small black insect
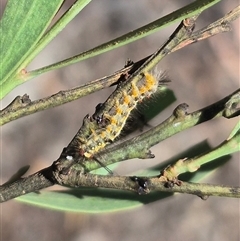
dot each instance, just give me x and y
(142, 184)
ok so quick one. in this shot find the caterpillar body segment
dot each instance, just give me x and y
(110, 117)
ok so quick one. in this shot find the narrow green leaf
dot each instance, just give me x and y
(235, 130)
(56, 28)
(22, 25)
(191, 9)
(89, 200)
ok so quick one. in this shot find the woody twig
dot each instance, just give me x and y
(23, 106)
(68, 173)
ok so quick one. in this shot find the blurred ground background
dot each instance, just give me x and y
(201, 74)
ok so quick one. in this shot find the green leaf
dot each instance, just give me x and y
(56, 28)
(22, 25)
(97, 200)
(89, 200)
(235, 130)
(190, 10)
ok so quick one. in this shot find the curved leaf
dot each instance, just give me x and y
(22, 25)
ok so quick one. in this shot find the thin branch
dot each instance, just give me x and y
(140, 185)
(138, 147)
(229, 146)
(68, 172)
(220, 26)
(37, 181)
(14, 111)
(185, 12)
(97, 130)
(145, 185)
(22, 106)
(65, 172)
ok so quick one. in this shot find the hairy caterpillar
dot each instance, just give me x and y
(110, 118)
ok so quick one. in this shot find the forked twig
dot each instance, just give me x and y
(67, 172)
(23, 106)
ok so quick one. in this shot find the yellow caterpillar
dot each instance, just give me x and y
(107, 123)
